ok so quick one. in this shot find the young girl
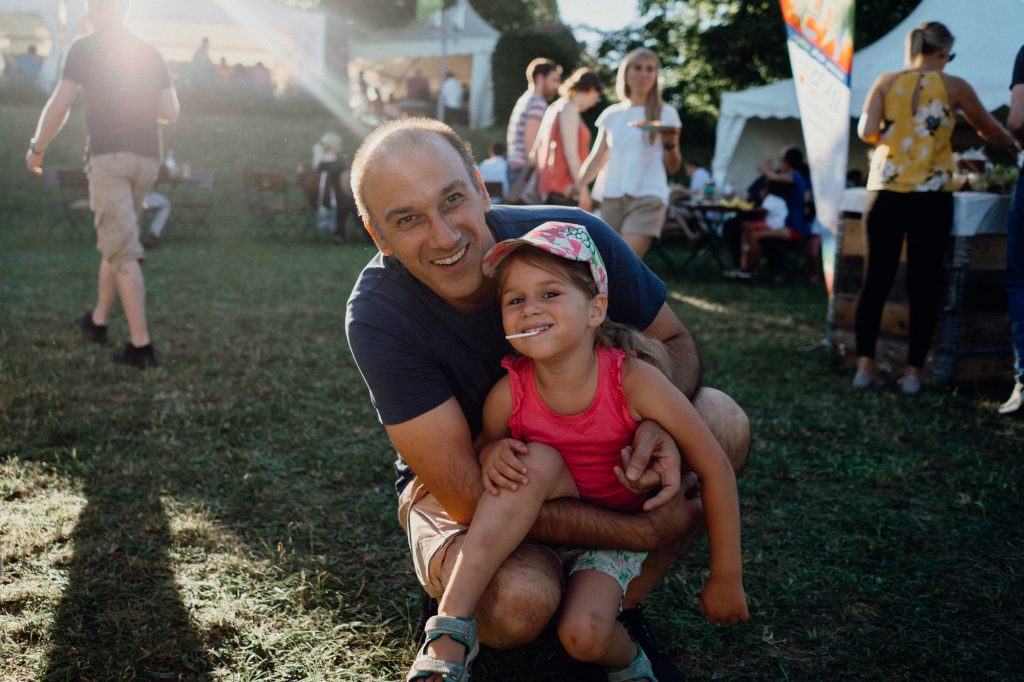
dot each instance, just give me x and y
(559, 425)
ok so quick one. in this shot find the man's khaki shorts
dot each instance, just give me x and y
(431, 534)
(118, 184)
(644, 216)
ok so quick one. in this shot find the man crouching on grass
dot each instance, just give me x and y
(128, 93)
(426, 333)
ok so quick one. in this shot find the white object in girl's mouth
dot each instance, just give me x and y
(538, 330)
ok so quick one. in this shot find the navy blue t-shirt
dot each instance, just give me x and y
(1018, 69)
(415, 351)
(796, 204)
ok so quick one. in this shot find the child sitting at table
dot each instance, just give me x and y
(771, 226)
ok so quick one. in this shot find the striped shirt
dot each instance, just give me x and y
(529, 106)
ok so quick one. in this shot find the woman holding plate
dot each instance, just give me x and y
(637, 143)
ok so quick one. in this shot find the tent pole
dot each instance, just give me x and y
(441, 65)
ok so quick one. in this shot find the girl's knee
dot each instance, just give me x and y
(585, 633)
(545, 466)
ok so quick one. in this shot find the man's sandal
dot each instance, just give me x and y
(461, 630)
(639, 669)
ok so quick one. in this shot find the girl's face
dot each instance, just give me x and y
(534, 298)
(641, 76)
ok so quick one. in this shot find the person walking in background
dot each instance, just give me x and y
(1015, 244)
(544, 77)
(451, 98)
(564, 142)
(128, 93)
(910, 116)
(632, 161)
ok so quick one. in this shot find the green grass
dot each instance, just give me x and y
(231, 514)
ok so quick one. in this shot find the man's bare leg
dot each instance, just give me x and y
(106, 291)
(730, 426)
(132, 290)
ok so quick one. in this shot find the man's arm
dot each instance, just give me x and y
(682, 349)
(1015, 120)
(438, 447)
(51, 120)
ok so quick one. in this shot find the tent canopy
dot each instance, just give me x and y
(988, 35)
(289, 41)
(420, 42)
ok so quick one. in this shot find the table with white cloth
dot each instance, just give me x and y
(972, 339)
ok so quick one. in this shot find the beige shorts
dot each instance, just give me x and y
(118, 184)
(644, 216)
(432, 535)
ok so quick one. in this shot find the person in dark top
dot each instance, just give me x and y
(1015, 244)
(426, 334)
(127, 93)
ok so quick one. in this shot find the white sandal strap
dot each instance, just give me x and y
(638, 669)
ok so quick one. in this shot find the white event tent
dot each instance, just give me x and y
(290, 42)
(393, 54)
(756, 123)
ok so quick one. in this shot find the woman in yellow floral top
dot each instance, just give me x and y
(910, 116)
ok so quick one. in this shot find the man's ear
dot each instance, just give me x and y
(377, 239)
(480, 183)
(598, 311)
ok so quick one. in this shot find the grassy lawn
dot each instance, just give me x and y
(231, 514)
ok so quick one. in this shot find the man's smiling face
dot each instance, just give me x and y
(428, 212)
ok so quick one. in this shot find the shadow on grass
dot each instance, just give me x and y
(121, 602)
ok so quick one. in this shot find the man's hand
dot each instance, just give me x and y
(662, 473)
(34, 161)
(653, 448)
(723, 601)
(500, 467)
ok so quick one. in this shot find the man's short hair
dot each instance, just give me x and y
(540, 67)
(395, 136)
(498, 148)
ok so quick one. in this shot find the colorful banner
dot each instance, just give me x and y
(821, 52)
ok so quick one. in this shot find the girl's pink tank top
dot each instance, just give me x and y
(589, 442)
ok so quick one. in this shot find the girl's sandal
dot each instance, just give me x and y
(638, 669)
(461, 630)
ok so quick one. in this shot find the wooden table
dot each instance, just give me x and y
(710, 221)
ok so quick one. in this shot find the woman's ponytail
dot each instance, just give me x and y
(928, 38)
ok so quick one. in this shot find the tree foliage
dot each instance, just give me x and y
(712, 46)
(517, 15)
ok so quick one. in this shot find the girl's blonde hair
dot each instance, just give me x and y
(610, 334)
(929, 38)
(652, 106)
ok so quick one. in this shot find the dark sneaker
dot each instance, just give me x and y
(140, 358)
(636, 625)
(150, 242)
(93, 332)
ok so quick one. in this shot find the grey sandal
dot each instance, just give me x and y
(638, 669)
(461, 630)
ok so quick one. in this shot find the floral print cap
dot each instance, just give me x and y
(566, 240)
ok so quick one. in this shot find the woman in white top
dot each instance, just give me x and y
(630, 162)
